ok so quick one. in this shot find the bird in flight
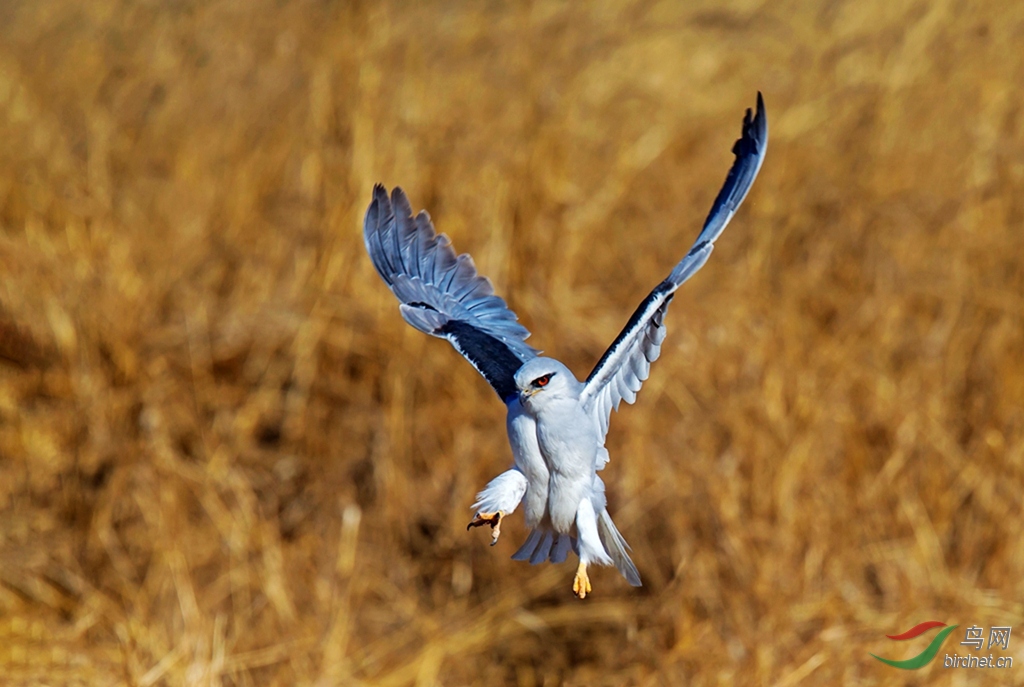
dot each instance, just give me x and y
(556, 424)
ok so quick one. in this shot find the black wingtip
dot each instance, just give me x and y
(761, 120)
(400, 204)
(380, 198)
(380, 207)
(370, 219)
(755, 130)
(398, 194)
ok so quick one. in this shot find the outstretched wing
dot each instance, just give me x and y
(627, 362)
(442, 294)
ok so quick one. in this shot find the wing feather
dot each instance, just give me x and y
(626, 364)
(442, 294)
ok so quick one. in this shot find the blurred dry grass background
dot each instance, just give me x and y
(225, 460)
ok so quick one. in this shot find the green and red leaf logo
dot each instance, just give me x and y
(925, 657)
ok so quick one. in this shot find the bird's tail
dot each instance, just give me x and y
(617, 548)
(545, 545)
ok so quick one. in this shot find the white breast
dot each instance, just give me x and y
(568, 440)
(522, 436)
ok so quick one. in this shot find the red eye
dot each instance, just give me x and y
(542, 381)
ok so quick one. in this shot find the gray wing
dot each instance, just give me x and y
(626, 364)
(441, 294)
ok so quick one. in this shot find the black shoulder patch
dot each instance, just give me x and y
(634, 320)
(489, 355)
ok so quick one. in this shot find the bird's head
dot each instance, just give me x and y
(543, 380)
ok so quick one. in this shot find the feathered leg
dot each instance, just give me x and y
(499, 498)
(590, 548)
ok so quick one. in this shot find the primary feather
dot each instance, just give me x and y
(441, 294)
(626, 364)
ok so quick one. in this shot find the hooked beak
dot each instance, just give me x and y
(525, 394)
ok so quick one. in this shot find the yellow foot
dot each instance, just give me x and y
(492, 519)
(581, 583)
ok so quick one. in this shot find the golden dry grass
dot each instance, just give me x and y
(225, 460)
